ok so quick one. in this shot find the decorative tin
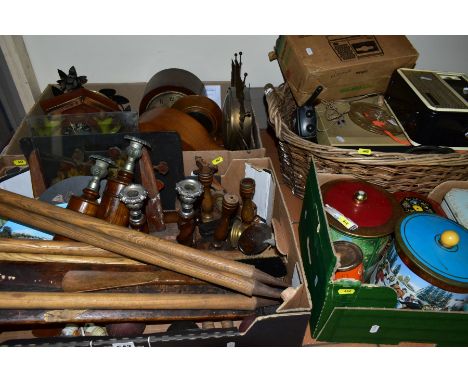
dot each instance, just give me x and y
(455, 204)
(350, 260)
(411, 202)
(428, 265)
(361, 213)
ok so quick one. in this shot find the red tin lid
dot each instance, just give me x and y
(371, 207)
(411, 202)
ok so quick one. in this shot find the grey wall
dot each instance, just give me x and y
(446, 53)
(137, 58)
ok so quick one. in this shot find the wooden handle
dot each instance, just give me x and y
(69, 259)
(87, 281)
(97, 226)
(119, 245)
(51, 247)
(62, 300)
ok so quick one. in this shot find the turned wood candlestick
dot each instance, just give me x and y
(247, 191)
(87, 203)
(230, 204)
(134, 196)
(111, 208)
(205, 174)
(154, 209)
(189, 191)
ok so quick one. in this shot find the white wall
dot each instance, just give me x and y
(445, 53)
(137, 58)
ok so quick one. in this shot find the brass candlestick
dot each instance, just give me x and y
(230, 204)
(205, 174)
(247, 191)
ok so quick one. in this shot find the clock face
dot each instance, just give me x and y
(165, 99)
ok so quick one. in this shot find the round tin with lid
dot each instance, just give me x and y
(350, 260)
(412, 202)
(428, 266)
(361, 213)
(436, 249)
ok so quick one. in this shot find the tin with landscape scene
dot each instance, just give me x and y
(428, 264)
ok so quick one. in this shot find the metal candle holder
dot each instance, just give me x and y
(133, 196)
(99, 171)
(134, 151)
(189, 191)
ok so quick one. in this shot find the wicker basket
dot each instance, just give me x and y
(394, 171)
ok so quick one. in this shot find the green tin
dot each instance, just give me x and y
(373, 248)
(373, 211)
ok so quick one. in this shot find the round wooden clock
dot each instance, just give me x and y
(169, 85)
(204, 110)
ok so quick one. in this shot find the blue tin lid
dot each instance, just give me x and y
(437, 247)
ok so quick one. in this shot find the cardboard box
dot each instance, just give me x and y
(286, 326)
(10, 165)
(346, 66)
(134, 93)
(348, 311)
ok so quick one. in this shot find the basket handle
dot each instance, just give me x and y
(274, 102)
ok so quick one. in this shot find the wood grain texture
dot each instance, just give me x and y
(63, 300)
(193, 135)
(204, 110)
(70, 259)
(27, 317)
(154, 210)
(86, 281)
(119, 244)
(37, 177)
(157, 247)
(50, 247)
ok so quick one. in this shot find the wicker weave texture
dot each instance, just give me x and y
(394, 171)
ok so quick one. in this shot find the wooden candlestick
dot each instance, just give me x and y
(205, 174)
(111, 208)
(247, 191)
(87, 203)
(230, 205)
(154, 210)
(189, 191)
